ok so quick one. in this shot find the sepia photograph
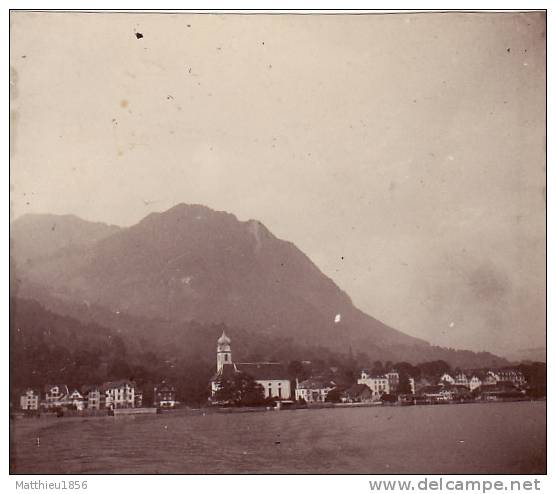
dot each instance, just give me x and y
(278, 242)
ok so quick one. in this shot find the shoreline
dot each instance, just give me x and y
(49, 416)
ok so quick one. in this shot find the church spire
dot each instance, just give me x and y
(223, 352)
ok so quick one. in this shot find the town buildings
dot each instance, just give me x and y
(270, 375)
(514, 376)
(358, 393)
(388, 386)
(313, 390)
(477, 378)
(110, 395)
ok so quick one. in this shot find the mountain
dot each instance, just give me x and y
(537, 354)
(36, 236)
(191, 263)
(47, 347)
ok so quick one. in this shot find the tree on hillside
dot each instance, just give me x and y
(350, 374)
(378, 368)
(240, 390)
(434, 369)
(192, 378)
(296, 370)
(407, 368)
(362, 359)
(120, 369)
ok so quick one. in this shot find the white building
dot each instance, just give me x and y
(514, 376)
(29, 400)
(447, 378)
(475, 382)
(270, 375)
(394, 382)
(412, 385)
(119, 394)
(313, 390)
(491, 378)
(55, 395)
(93, 396)
(75, 398)
(461, 379)
(379, 384)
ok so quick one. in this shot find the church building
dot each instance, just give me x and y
(270, 375)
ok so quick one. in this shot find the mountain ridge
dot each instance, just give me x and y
(36, 236)
(191, 263)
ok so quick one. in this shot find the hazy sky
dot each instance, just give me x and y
(404, 154)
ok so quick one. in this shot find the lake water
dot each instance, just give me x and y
(471, 438)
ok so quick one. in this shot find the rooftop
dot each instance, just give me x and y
(262, 371)
(314, 384)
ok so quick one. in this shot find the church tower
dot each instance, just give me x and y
(223, 352)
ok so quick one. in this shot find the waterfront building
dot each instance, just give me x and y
(438, 393)
(393, 381)
(270, 375)
(138, 398)
(447, 378)
(94, 398)
(513, 376)
(29, 399)
(74, 399)
(55, 395)
(491, 378)
(119, 394)
(358, 393)
(461, 379)
(164, 395)
(313, 390)
(475, 382)
(500, 391)
(379, 384)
